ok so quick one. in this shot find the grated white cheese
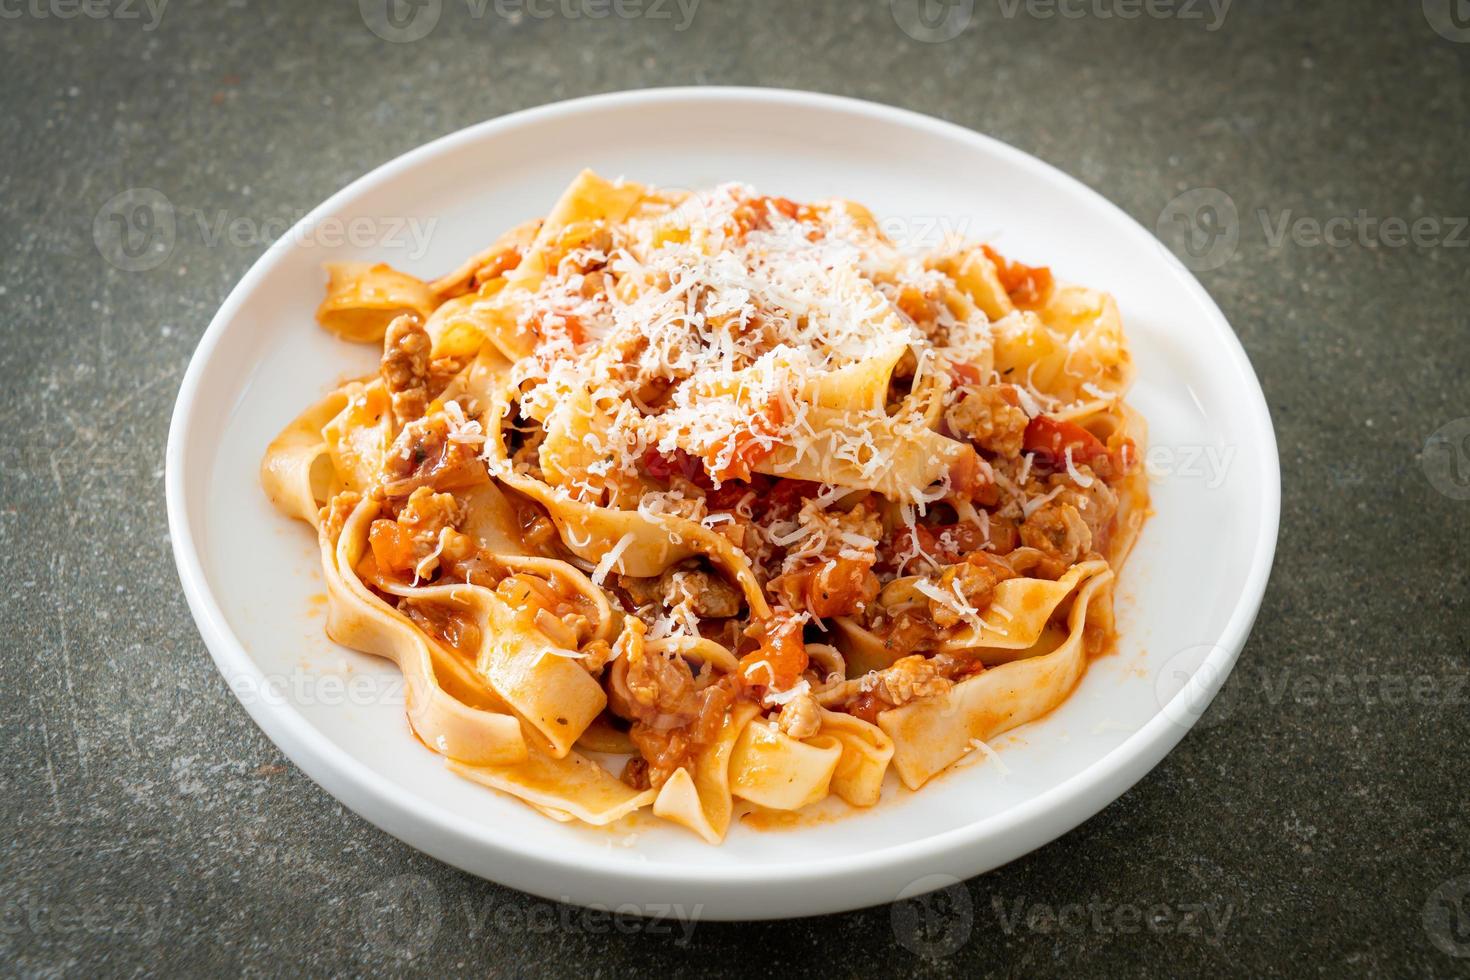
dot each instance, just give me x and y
(429, 562)
(463, 429)
(991, 754)
(778, 698)
(605, 565)
(733, 332)
(1029, 403)
(1078, 477)
(1036, 503)
(953, 599)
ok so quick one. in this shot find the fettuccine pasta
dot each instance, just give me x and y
(700, 502)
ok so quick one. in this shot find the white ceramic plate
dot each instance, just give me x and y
(1187, 598)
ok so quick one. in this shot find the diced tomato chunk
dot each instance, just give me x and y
(664, 466)
(784, 205)
(837, 587)
(1028, 286)
(756, 213)
(789, 495)
(945, 543)
(657, 465)
(751, 446)
(966, 374)
(970, 478)
(781, 658)
(1051, 438)
(392, 547)
(731, 492)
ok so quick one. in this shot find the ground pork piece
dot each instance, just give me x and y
(685, 499)
(1058, 531)
(642, 591)
(443, 370)
(335, 514)
(710, 596)
(635, 773)
(668, 749)
(427, 512)
(405, 367)
(705, 593)
(909, 679)
(672, 716)
(424, 456)
(595, 655)
(990, 416)
(801, 717)
(449, 627)
(1098, 505)
(415, 542)
(973, 580)
(838, 580)
(417, 442)
(648, 687)
(842, 528)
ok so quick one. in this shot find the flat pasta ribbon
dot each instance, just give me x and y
(931, 734)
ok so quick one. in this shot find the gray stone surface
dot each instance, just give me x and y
(148, 825)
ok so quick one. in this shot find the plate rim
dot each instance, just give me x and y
(374, 796)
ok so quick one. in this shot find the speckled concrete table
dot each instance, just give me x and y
(1321, 825)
